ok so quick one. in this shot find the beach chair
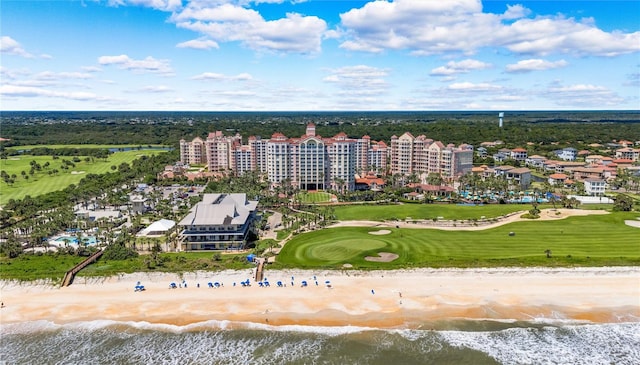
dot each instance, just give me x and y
(266, 283)
(216, 284)
(260, 284)
(210, 285)
(279, 283)
(304, 283)
(173, 286)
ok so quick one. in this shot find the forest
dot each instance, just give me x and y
(558, 128)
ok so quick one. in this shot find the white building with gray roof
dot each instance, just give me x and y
(218, 222)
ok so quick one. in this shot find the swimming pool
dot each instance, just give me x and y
(72, 240)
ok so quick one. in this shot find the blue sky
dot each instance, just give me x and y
(270, 55)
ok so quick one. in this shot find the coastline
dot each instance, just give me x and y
(378, 299)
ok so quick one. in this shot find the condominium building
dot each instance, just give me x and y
(311, 162)
(219, 151)
(421, 155)
(192, 152)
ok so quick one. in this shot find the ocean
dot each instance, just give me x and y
(215, 342)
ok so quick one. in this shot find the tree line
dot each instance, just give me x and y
(541, 128)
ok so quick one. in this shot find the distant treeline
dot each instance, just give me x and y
(550, 127)
(65, 151)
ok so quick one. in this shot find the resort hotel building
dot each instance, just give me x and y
(312, 162)
(218, 222)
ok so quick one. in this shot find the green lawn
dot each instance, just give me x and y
(314, 197)
(42, 183)
(425, 211)
(597, 240)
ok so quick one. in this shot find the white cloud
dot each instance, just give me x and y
(91, 68)
(230, 23)
(534, 65)
(633, 80)
(148, 64)
(156, 89)
(515, 12)
(222, 77)
(463, 66)
(198, 44)
(10, 46)
(507, 98)
(469, 86)
(582, 95)
(166, 5)
(427, 27)
(358, 81)
(48, 75)
(29, 91)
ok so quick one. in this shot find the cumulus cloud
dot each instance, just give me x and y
(10, 46)
(463, 66)
(515, 12)
(427, 27)
(148, 64)
(222, 77)
(230, 23)
(198, 44)
(534, 65)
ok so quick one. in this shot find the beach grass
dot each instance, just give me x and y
(41, 182)
(598, 240)
(169, 262)
(314, 197)
(403, 212)
(53, 266)
(37, 267)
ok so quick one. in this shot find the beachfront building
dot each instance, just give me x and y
(218, 222)
(192, 152)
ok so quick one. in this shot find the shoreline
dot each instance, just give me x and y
(410, 298)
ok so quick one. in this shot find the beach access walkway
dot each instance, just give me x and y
(69, 275)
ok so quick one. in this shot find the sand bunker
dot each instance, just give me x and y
(633, 223)
(380, 232)
(77, 172)
(382, 257)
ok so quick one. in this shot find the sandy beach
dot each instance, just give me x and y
(383, 299)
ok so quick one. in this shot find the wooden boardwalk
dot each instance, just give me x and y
(259, 270)
(69, 275)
